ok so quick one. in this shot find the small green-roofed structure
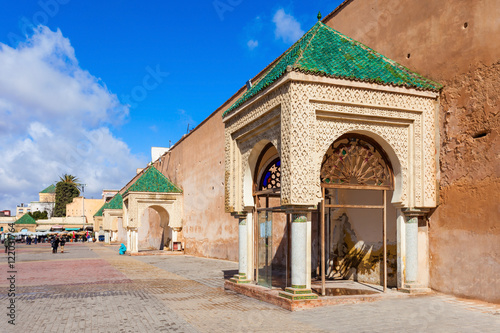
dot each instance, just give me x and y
(153, 180)
(99, 212)
(26, 219)
(115, 203)
(326, 52)
(50, 189)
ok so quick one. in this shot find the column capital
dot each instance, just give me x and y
(240, 215)
(297, 210)
(415, 212)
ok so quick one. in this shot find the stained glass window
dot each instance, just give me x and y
(271, 178)
(354, 161)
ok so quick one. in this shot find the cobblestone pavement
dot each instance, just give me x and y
(90, 288)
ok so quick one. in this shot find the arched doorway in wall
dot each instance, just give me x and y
(270, 221)
(154, 232)
(358, 230)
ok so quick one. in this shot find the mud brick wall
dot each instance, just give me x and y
(455, 43)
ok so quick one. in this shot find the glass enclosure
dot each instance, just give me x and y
(265, 246)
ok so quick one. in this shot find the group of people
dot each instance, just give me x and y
(30, 240)
(56, 242)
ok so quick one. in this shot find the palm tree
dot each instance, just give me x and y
(69, 179)
(67, 188)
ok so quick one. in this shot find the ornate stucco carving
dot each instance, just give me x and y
(303, 118)
(109, 216)
(135, 204)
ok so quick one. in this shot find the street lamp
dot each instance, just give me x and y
(83, 205)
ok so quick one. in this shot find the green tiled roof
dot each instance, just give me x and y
(26, 219)
(100, 211)
(325, 51)
(50, 189)
(153, 180)
(115, 203)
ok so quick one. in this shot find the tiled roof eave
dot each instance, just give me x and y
(284, 78)
(324, 51)
(149, 192)
(355, 79)
(279, 82)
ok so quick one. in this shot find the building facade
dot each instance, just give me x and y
(455, 43)
(338, 162)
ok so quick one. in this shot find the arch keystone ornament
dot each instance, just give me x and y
(327, 87)
(151, 190)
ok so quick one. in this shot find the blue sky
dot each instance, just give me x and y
(87, 87)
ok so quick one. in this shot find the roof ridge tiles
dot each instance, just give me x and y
(325, 51)
(152, 180)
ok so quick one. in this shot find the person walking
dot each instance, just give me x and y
(55, 244)
(6, 243)
(63, 241)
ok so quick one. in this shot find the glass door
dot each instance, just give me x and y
(265, 245)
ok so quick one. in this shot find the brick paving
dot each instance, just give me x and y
(93, 289)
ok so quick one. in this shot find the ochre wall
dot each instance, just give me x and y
(455, 43)
(47, 197)
(196, 164)
(74, 208)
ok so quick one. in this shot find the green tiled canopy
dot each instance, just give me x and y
(153, 180)
(26, 219)
(100, 211)
(325, 51)
(50, 189)
(115, 203)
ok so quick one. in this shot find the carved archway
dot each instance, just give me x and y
(357, 160)
(155, 232)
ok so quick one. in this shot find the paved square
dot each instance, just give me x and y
(90, 288)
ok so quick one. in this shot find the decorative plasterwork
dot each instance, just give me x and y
(243, 132)
(302, 115)
(109, 216)
(135, 204)
(353, 160)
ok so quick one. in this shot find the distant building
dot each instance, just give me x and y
(5, 213)
(91, 206)
(157, 152)
(46, 203)
(107, 195)
(22, 209)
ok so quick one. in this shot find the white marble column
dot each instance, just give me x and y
(300, 224)
(411, 235)
(242, 276)
(411, 248)
(128, 239)
(242, 248)
(301, 258)
(132, 241)
(136, 240)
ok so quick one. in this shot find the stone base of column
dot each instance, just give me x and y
(415, 288)
(240, 278)
(297, 293)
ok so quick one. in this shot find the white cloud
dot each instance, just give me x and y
(287, 27)
(54, 119)
(252, 44)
